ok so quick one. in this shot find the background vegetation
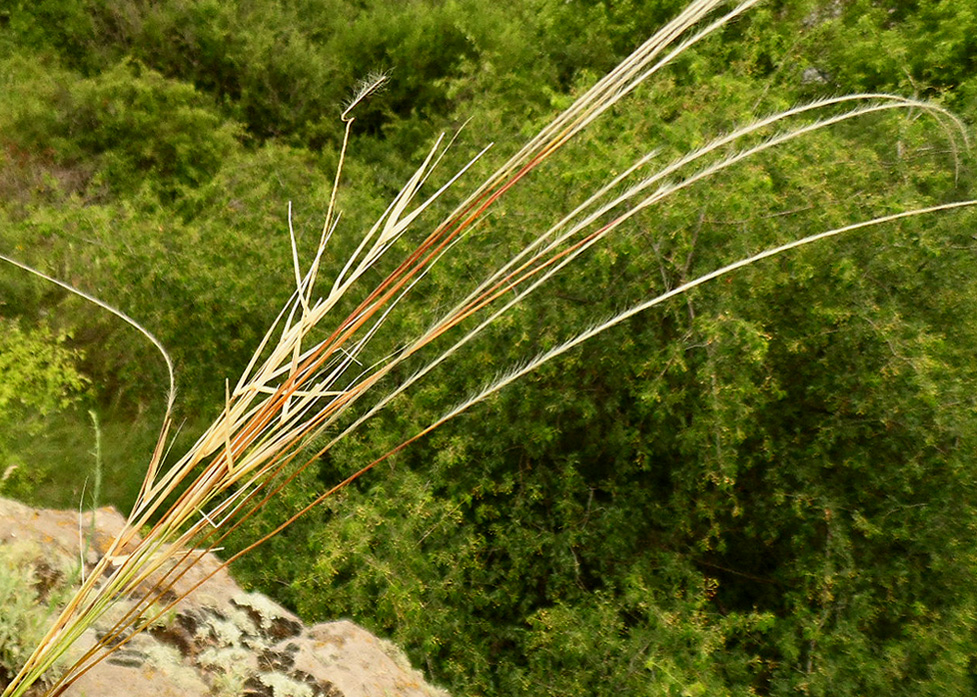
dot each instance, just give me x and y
(768, 488)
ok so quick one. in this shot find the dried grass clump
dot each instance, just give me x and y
(297, 387)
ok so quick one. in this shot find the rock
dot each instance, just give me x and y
(824, 12)
(354, 662)
(141, 667)
(220, 641)
(813, 76)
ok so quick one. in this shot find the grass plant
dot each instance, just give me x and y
(305, 382)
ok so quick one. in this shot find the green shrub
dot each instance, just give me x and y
(30, 593)
(139, 129)
(38, 376)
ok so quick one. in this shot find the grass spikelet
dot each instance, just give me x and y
(370, 85)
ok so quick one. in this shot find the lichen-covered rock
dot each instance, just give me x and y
(354, 662)
(219, 642)
(142, 667)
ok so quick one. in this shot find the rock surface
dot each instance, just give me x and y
(220, 641)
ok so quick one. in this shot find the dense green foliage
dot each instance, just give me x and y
(765, 488)
(38, 376)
